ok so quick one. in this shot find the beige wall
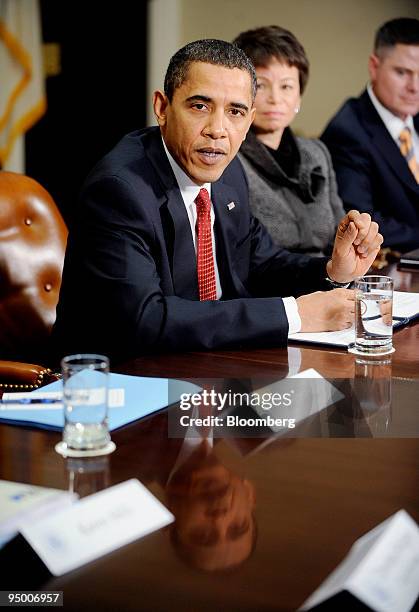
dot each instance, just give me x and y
(337, 35)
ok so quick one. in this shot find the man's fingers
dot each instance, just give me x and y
(379, 239)
(327, 310)
(346, 235)
(369, 238)
(346, 316)
(351, 216)
(357, 228)
(374, 248)
(363, 224)
(344, 322)
(361, 221)
(347, 220)
(369, 243)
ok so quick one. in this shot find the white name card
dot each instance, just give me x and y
(310, 397)
(381, 569)
(95, 526)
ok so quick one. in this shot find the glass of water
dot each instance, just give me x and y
(374, 315)
(85, 399)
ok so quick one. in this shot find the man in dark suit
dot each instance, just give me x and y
(153, 263)
(376, 169)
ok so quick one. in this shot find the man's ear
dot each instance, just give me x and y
(251, 116)
(160, 104)
(373, 64)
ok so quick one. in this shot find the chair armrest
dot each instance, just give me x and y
(17, 376)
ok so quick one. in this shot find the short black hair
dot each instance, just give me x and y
(401, 31)
(267, 42)
(209, 51)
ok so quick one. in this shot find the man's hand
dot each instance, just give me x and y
(386, 309)
(327, 310)
(357, 243)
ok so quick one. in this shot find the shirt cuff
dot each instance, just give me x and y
(293, 316)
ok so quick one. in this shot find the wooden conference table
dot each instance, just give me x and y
(291, 507)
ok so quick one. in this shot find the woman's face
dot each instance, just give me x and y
(277, 98)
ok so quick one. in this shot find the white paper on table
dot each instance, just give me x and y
(95, 526)
(405, 306)
(20, 501)
(308, 399)
(381, 569)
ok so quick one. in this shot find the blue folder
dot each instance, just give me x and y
(143, 396)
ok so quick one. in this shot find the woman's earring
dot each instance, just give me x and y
(296, 109)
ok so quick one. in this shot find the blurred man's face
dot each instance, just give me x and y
(395, 79)
(214, 513)
(207, 120)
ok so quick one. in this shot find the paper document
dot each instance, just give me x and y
(20, 501)
(95, 526)
(130, 398)
(405, 309)
(410, 259)
(311, 394)
(381, 569)
(50, 400)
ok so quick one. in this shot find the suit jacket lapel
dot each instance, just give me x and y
(226, 224)
(385, 144)
(184, 272)
(175, 221)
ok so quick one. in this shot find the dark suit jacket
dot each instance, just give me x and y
(130, 282)
(372, 174)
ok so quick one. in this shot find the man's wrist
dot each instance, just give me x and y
(337, 285)
(332, 281)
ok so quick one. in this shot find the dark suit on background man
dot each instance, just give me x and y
(372, 174)
(129, 281)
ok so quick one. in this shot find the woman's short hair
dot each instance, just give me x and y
(262, 44)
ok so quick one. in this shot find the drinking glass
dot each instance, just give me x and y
(374, 315)
(85, 399)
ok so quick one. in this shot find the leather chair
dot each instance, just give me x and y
(33, 237)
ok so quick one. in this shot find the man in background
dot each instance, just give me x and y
(374, 139)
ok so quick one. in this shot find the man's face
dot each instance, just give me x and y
(215, 523)
(214, 512)
(207, 120)
(395, 79)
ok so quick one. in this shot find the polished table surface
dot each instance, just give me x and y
(260, 522)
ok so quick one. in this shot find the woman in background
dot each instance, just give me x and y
(291, 180)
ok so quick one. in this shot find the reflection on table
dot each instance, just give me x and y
(354, 463)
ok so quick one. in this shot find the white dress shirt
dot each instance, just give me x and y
(189, 191)
(394, 124)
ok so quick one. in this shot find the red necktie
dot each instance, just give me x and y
(204, 255)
